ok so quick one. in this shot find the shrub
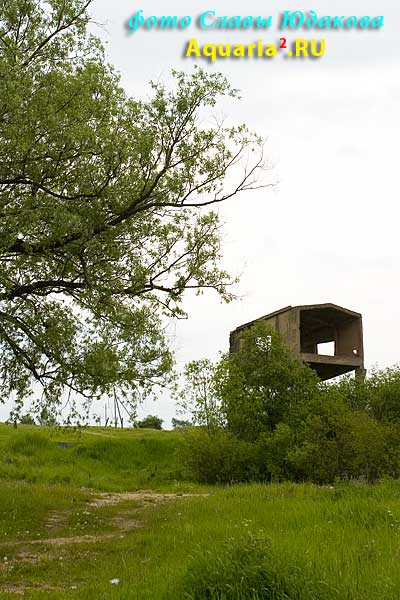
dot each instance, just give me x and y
(263, 384)
(272, 451)
(217, 456)
(339, 443)
(383, 395)
(322, 449)
(27, 419)
(372, 448)
(274, 420)
(378, 394)
(150, 422)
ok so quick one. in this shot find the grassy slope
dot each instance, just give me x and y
(101, 459)
(325, 543)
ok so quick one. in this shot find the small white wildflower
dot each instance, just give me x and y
(114, 581)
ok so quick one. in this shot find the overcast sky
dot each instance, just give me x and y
(329, 231)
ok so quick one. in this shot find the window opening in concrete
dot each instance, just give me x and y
(326, 349)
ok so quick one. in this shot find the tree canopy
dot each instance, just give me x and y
(263, 384)
(106, 206)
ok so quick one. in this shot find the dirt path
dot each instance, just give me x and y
(122, 521)
(37, 551)
(145, 496)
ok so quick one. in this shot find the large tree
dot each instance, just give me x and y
(106, 206)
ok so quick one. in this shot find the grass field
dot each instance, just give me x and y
(74, 525)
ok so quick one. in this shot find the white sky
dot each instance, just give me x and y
(329, 232)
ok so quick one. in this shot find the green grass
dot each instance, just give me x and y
(279, 542)
(99, 458)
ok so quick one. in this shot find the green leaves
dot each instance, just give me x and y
(263, 384)
(104, 206)
(198, 396)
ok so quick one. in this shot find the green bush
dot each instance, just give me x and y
(322, 450)
(282, 423)
(272, 451)
(375, 448)
(217, 456)
(382, 393)
(26, 419)
(150, 422)
(264, 384)
(339, 443)
(334, 442)
(378, 394)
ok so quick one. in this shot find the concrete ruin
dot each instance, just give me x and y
(327, 337)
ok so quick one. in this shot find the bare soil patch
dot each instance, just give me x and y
(145, 497)
(35, 551)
